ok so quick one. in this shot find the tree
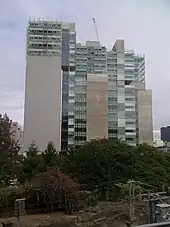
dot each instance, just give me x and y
(9, 158)
(100, 162)
(50, 157)
(32, 150)
(151, 165)
(58, 188)
(37, 161)
(31, 164)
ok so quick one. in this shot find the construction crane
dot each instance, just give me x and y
(95, 26)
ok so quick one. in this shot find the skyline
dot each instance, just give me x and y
(143, 25)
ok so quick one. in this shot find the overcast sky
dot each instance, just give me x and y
(143, 24)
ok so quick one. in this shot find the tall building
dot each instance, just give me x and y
(76, 92)
(49, 69)
(165, 134)
(110, 95)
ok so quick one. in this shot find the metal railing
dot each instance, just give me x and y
(161, 224)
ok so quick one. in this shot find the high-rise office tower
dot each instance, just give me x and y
(110, 95)
(49, 72)
(77, 92)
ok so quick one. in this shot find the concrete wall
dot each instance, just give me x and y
(42, 122)
(97, 106)
(119, 46)
(144, 116)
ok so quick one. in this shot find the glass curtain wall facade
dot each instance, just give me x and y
(130, 98)
(90, 59)
(44, 38)
(68, 73)
(123, 69)
(112, 94)
(80, 95)
(122, 114)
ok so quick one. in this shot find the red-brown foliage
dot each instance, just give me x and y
(59, 188)
(58, 180)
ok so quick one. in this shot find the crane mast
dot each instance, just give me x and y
(95, 26)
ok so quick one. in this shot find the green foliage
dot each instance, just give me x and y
(100, 164)
(32, 150)
(50, 157)
(37, 162)
(9, 164)
(9, 195)
(31, 164)
(123, 189)
(103, 166)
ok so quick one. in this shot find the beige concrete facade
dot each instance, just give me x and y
(97, 106)
(119, 46)
(42, 117)
(144, 116)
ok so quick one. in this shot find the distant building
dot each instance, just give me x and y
(165, 134)
(161, 145)
(16, 132)
(158, 143)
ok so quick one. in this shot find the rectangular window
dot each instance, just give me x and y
(71, 126)
(112, 108)
(129, 139)
(120, 66)
(112, 131)
(79, 129)
(129, 98)
(80, 121)
(80, 138)
(120, 83)
(130, 130)
(112, 93)
(130, 114)
(121, 99)
(130, 122)
(71, 116)
(71, 122)
(121, 122)
(71, 100)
